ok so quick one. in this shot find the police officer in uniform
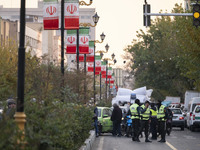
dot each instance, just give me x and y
(145, 119)
(162, 116)
(135, 116)
(153, 124)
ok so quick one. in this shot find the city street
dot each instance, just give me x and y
(178, 140)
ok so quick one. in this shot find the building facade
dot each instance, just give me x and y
(123, 79)
(8, 31)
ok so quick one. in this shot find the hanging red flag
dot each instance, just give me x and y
(50, 15)
(71, 14)
(90, 56)
(81, 58)
(90, 66)
(103, 76)
(97, 73)
(97, 63)
(84, 40)
(109, 73)
(103, 68)
(71, 40)
(112, 80)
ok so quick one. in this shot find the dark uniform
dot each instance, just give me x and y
(135, 116)
(145, 116)
(154, 122)
(161, 116)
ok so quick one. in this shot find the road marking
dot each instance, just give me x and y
(171, 146)
(101, 144)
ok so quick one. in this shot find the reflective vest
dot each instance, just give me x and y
(153, 113)
(134, 112)
(161, 113)
(146, 114)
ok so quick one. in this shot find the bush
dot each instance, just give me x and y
(10, 134)
(57, 124)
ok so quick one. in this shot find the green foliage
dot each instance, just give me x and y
(57, 124)
(104, 103)
(10, 134)
(56, 117)
(8, 71)
(166, 58)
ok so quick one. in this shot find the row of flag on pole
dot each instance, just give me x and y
(51, 14)
(71, 18)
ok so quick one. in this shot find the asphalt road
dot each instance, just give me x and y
(178, 140)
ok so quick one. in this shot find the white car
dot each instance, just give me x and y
(192, 104)
(195, 118)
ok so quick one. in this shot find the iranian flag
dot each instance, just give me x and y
(107, 81)
(71, 14)
(112, 80)
(103, 76)
(90, 66)
(103, 68)
(97, 73)
(97, 63)
(109, 73)
(50, 15)
(71, 42)
(84, 40)
(81, 58)
(90, 56)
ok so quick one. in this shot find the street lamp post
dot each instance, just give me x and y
(20, 115)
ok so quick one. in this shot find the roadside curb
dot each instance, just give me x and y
(89, 142)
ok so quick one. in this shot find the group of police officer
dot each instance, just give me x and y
(143, 116)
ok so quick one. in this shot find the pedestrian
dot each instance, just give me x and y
(116, 118)
(11, 108)
(154, 121)
(135, 116)
(95, 118)
(145, 119)
(162, 116)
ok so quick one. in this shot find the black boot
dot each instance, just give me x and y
(147, 140)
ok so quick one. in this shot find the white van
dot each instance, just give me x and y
(191, 106)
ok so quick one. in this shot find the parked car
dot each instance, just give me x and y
(192, 104)
(105, 124)
(178, 118)
(195, 118)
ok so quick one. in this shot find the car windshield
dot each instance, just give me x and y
(176, 111)
(99, 112)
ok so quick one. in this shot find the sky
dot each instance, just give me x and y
(119, 20)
